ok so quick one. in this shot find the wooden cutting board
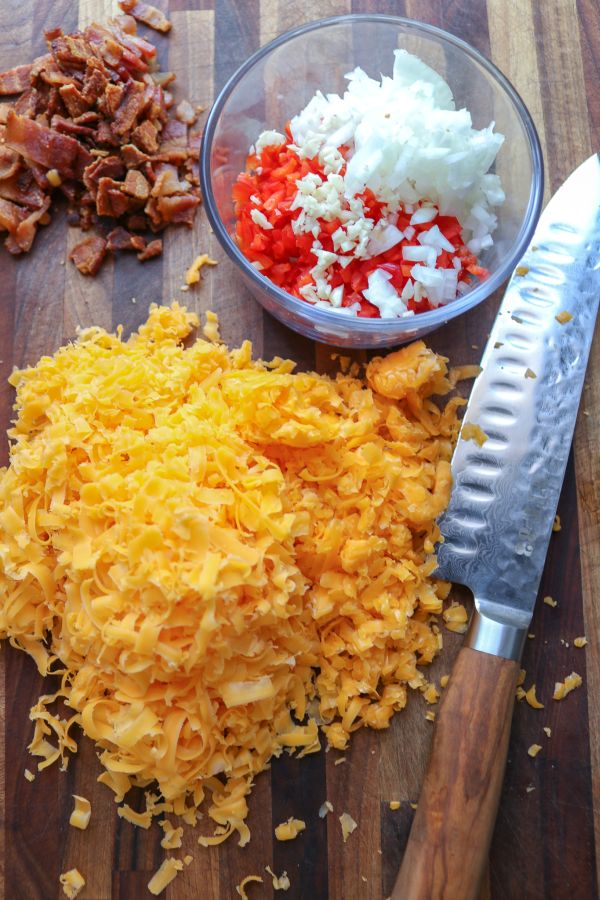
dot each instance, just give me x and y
(544, 840)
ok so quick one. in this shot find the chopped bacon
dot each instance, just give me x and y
(44, 146)
(154, 248)
(16, 80)
(88, 255)
(147, 14)
(92, 122)
(136, 185)
(121, 239)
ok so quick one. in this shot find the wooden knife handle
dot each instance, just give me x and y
(452, 829)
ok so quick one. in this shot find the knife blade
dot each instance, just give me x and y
(505, 494)
(497, 527)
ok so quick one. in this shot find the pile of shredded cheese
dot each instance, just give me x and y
(216, 556)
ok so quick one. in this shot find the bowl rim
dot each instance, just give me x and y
(324, 319)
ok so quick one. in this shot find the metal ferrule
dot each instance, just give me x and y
(498, 638)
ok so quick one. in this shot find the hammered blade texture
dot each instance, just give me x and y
(498, 524)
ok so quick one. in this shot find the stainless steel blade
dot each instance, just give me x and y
(498, 524)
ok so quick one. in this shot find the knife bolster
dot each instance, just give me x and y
(489, 635)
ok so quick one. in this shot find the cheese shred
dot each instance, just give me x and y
(209, 550)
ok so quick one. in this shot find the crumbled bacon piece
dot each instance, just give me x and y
(16, 80)
(88, 255)
(154, 248)
(144, 12)
(92, 123)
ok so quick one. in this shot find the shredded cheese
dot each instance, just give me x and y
(241, 887)
(534, 749)
(549, 601)
(580, 641)
(173, 836)
(289, 830)
(80, 817)
(456, 618)
(164, 875)
(203, 545)
(562, 688)
(471, 432)
(192, 276)
(72, 883)
(532, 699)
(394, 805)
(563, 317)
(348, 825)
(29, 775)
(281, 883)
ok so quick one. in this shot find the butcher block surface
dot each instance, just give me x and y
(544, 844)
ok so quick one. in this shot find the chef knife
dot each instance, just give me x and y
(497, 528)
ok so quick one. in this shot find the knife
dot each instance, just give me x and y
(497, 528)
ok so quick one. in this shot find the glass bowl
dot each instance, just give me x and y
(278, 81)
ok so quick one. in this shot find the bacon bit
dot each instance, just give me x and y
(534, 749)
(147, 14)
(88, 255)
(580, 642)
(549, 601)
(16, 80)
(42, 145)
(563, 317)
(192, 276)
(154, 248)
(562, 688)
(185, 112)
(556, 525)
(121, 239)
(241, 887)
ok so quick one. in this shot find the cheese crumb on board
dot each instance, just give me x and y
(142, 820)
(249, 879)
(563, 317)
(29, 775)
(80, 817)
(163, 876)
(149, 480)
(210, 329)
(580, 642)
(430, 715)
(532, 699)
(444, 680)
(529, 373)
(394, 804)
(556, 526)
(471, 432)
(281, 882)
(192, 276)
(340, 760)
(522, 676)
(72, 883)
(348, 825)
(521, 270)
(550, 601)
(325, 808)
(456, 618)
(562, 688)
(534, 749)
(547, 731)
(172, 837)
(289, 830)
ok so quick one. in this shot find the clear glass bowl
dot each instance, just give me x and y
(279, 80)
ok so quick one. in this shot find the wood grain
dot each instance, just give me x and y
(450, 837)
(543, 844)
